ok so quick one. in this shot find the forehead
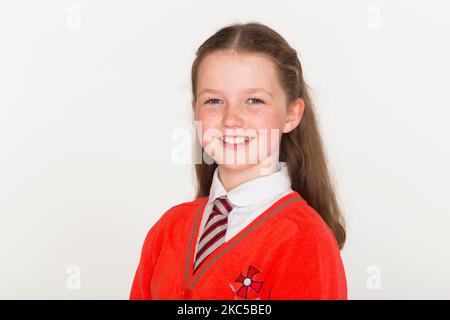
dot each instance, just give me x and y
(226, 70)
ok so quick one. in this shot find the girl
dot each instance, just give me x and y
(265, 223)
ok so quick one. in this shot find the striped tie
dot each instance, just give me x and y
(214, 232)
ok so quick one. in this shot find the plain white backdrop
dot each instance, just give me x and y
(93, 92)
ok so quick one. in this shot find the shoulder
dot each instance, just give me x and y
(178, 214)
(307, 264)
(172, 218)
(182, 210)
(307, 227)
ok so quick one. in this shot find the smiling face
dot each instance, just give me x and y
(239, 95)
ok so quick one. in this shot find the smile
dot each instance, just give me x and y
(235, 142)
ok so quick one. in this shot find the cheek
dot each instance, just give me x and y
(207, 125)
(209, 117)
(268, 130)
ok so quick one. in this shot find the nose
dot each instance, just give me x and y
(232, 117)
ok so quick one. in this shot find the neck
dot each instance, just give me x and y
(231, 178)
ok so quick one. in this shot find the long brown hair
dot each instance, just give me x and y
(302, 148)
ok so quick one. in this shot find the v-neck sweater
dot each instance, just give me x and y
(287, 252)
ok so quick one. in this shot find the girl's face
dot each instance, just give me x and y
(239, 96)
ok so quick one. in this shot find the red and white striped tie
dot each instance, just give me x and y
(214, 232)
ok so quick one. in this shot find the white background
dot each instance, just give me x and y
(91, 93)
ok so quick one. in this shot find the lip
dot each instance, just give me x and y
(234, 146)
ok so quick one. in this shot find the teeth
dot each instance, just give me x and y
(235, 140)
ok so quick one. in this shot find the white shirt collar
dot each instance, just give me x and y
(253, 191)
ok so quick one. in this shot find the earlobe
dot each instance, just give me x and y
(288, 127)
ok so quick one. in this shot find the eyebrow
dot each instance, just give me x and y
(248, 90)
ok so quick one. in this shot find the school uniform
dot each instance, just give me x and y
(275, 246)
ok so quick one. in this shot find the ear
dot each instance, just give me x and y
(294, 115)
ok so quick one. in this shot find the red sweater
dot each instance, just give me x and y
(287, 252)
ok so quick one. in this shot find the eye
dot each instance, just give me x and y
(257, 100)
(214, 101)
(211, 99)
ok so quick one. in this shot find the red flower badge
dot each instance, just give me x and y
(248, 282)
